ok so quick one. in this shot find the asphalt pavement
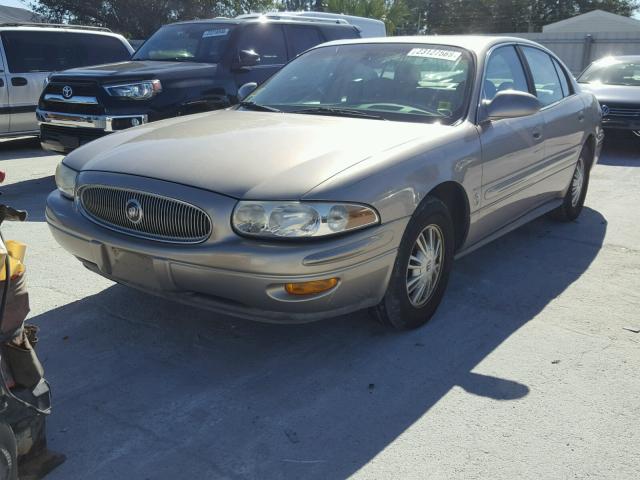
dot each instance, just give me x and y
(529, 370)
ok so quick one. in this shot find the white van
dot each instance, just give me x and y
(29, 53)
(369, 27)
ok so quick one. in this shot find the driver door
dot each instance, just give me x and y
(511, 148)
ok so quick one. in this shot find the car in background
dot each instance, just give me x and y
(615, 81)
(31, 52)
(350, 180)
(184, 68)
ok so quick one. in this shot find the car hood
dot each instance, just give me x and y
(616, 94)
(137, 69)
(250, 155)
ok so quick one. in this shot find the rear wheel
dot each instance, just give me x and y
(421, 269)
(574, 198)
(8, 453)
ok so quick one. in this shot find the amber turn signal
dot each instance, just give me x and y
(310, 288)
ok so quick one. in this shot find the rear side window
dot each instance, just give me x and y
(303, 37)
(267, 40)
(504, 72)
(564, 83)
(31, 51)
(338, 33)
(545, 77)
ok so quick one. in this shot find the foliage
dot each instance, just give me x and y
(500, 16)
(392, 12)
(140, 18)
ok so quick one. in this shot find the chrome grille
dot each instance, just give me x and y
(164, 219)
(623, 112)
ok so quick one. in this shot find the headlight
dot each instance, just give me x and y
(300, 219)
(135, 91)
(66, 180)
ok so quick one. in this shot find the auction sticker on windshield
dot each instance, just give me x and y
(451, 55)
(218, 32)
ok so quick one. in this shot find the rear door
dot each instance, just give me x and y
(512, 148)
(4, 97)
(564, 119)
(268, 41)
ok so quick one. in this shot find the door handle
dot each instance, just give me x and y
(581, 117)
(537, 135)
(18, 81)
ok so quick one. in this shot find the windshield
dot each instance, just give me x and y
(612, 71)
(401, 82)
(188, 42)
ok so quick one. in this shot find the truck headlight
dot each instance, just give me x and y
(135, 91)
(66, 180)
(300, 219)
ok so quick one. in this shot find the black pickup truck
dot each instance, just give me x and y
(184, 68)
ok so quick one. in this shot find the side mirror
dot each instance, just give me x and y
(245, 90)
(248, 58)
(511, 104)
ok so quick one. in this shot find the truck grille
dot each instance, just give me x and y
(145, 215)
(85, 89)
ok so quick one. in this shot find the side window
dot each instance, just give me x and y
(304, 37)
(54, 51)
(267, 40)
(504, 72)
(339, 32)
(564, 83)
(545, 77)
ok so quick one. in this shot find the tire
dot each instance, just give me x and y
(574, 199)
(403, 306)
(8, 454)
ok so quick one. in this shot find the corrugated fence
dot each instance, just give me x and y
(578, 50)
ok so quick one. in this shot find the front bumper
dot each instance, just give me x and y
(63, 132)
(233, 275)
(621, 123)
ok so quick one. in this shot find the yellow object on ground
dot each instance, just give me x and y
(16, 252)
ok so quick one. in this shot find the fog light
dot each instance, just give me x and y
(311, 288)
(135, 122)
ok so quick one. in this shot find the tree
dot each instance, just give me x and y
(140, 18)
(392, 12)
(500, 16)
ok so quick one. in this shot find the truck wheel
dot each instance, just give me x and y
(421, 269)
(8, 453)
(574, 198)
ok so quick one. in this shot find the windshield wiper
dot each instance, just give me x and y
(340, 112)
(257, 107)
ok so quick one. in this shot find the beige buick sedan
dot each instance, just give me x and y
(350, 180)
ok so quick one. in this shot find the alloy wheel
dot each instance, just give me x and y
(425, 265)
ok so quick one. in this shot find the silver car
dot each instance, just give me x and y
(350, 180)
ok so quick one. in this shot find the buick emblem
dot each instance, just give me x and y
(605, 110)
(133, 211)
(67, 91)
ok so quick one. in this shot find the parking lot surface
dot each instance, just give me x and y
(528, 370)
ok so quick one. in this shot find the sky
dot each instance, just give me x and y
(18, 3)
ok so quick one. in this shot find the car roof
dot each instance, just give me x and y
(628, 58)
(474, 43)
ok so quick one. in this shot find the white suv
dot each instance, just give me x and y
(29, 53)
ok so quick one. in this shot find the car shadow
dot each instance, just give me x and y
(29, 195)
(621, 149)
(23, 147)
(143, 386)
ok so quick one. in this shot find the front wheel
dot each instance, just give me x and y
(421, 270)
(8, 453)
(574, 199)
